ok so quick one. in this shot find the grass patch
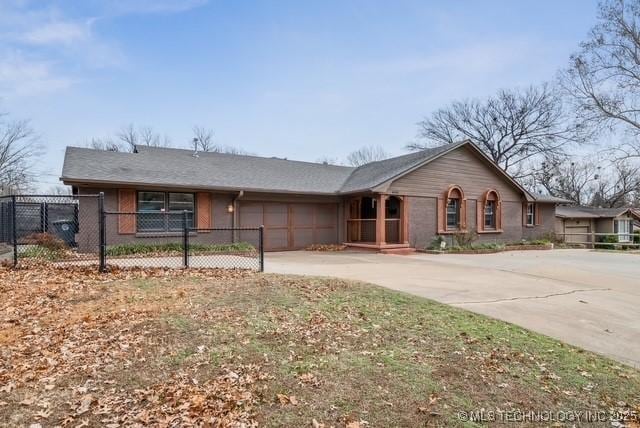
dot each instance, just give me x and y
(278, 351)
(174, 248)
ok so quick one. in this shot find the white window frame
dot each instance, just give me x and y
(625, 234)
(455, 212)
(490, 214)
(531, 214)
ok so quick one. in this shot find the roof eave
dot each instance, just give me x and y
(78, 181)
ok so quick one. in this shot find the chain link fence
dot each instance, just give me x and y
(76, 229)
(45, 228)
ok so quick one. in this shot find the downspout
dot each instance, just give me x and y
(234, 215)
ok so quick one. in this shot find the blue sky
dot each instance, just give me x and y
(296, 79)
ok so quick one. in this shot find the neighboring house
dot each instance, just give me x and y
(577, 223)
(396, 203)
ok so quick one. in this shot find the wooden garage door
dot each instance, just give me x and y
(577, 239)
(292, 226)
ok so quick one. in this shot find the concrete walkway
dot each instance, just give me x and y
(585, 298)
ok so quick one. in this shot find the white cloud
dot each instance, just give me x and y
(20, 76)
(58, 32)
(42, 50)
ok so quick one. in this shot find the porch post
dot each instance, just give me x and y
(404, 216)
(380, 220)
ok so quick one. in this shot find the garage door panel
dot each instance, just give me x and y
(290, 226)
(276, 239)
(276, 215)
(251, 215)
(302, 238)
(577, 239)
(302, 215)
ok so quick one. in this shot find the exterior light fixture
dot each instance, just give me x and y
(230, 208)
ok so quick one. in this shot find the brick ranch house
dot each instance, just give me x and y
(387, 205)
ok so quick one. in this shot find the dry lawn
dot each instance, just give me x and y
(231, 348)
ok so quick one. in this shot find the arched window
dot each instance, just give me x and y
(452, 210)
(489, 211)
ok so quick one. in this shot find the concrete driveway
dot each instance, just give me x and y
(588, 299)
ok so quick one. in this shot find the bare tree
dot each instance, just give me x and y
(18, 146)
(513, 127)
(59, 190)
(328, 160)
(131, 137)
(366, 155)
(203, 139)
(603, 78)
(128, 136)
(590, 182)
(106, 144)
(231, 150)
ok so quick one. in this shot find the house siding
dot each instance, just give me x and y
(461, 167)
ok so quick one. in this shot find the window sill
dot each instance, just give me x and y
(488, 231)
(530, 226)
(161, 234)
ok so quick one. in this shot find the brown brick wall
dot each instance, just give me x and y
(547, 226)
(87, 237)
(423, 222)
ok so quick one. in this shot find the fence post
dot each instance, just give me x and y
(43, 217)
(185, 239)
(14, 230)
(102, 248)
(261, 241)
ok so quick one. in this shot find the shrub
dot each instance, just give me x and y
(636, 237)
(44, 253)
(436, 243)
(177, 248)
(465, 239)
(44, 246)
(488, 246)
(550, 237)
(46, 240)
(607, 239)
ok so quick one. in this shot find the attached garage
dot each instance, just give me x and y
(577, 234)
(291, 226)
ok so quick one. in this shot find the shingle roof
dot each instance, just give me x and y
(589, 212)
(548, 198)
(375, 173)
(180, 168)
